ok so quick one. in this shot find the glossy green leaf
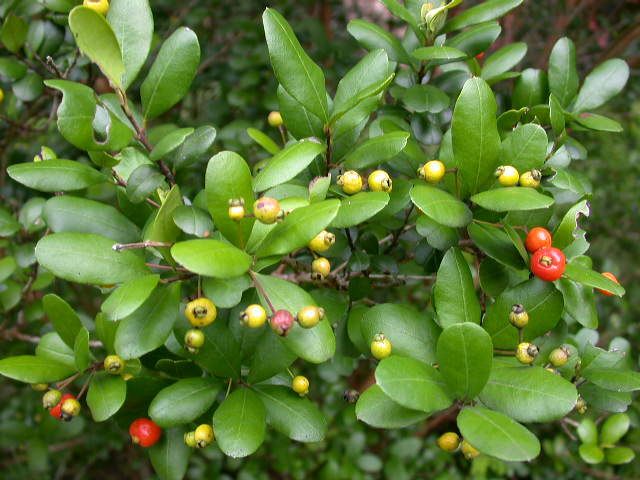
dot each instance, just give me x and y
(163, 228)
(171, 74)
(563, 74)
(568, 231)
(263, 140)
(211, 258)
(240, 423)
(106, 395)
(591, 278)
(193, 221)
(475, 39)
(512, 198)
(34, 369)
(579, 303)
(8, 224)
(376, 150)
(485, 11)
(556, 115)
(614, 379)
(271, 356)
(619, 455)
(300, 122)
(51, 346)
(81, 350)
(378, 410)
(497, 435)
(226, 293)
(525, 148)
(587, 431)
(614, 428)
(28, 88)
(438, 236)
(169, 143)
(143, 182)
(503, 60)
(359, 208)
(55, 175)
(591, 454)
(13, 33)
(184, 401)
(424, 98)
(64, 319)
(194, 147)
(604, 82)
(170, 456)
(129, 296)
(598, 123)
(441, 206)
(530, 89)
(439, 54)
(606, 400)
(373, 37)
(287, 163)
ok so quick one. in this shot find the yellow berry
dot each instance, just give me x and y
(432, 171)
(350, 181)
(300, 385)
(70, 408)
(193, 340)
(559, 356)
(449, 441)
(581, 406)
(113, 364)
(320, 268)
(100, 6)
(531, 179)
(322, 242)
(201, 312)
(274, 119)
(380, 181)
(468, 450)
(190, 439)
(254, 316)
(526, 353)
(518, 316)
(380, 347)
(507, 175)
(310, 316)
(236, 209)
(203, 435)
(267, 210)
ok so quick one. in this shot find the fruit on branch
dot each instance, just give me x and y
(310, 316)
(322, 242)
(100, 6)
(51, 398)
(611, 277)
(559, 356)
(113, 364)
(194, 340)
(350, 181)
(201, 312)
(518, 316)
(254, 316)
(531, 179)
(433, 171)
(190, 439)
(144, 432)
(56, 412)
(380, 346)
(267, 210)
(526, 353)
(537, 238)
(449, 441)
(507, 175)
(69, 408)
(236, 209)
(274, 119)
(300, 385)
(581, 406)
(281, 322)
(380, 181)
(320, 268)
(203, 435)
(548, 263)
(468, 450)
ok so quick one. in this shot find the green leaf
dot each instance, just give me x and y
(263, 140)
(606, 400)
(489, 10)
(587, 431)
(424, 98)
(476, 142)
(88, 258)
(540, 299)
(11, 68)
(240, 423)
(475, 39)
(8, 224)
(465, 354)
(228, 176)
(106, 395)
(13, 33)
(315, 345)
(143, 181)
(525, 148)
(441, 206)
(270, 357)
(530, 89)
(170, 456)
(299, 228)
(8, 266)
(34, 369)
(438, 236)
(378, 410)
(529, 394)
(169, 143)
(359, 208)
(211, 258)
(295, 71)
(411, 333)
(51, 346)
(503, 60)
(563, 73)
(586, 276)
(287, 163)
(72, 214)
(297, 418)
(194, 147)
(171, 73)
(556, 115)
(226, 293)
(96, 40)
(567, 232)
(64, 319)
(184, 401)
(129, 296)
(614, 428)
(373, 37)
(496, 243)
(376, 150)
(604, 82)
(371, 92)
(300, 122)
(579, 303)
(412, 384)
(81, 350)
(512, 198)
(591, 454)
(29, 87)
(149, 326)
(318, 188)
(455, 298)
(598, 123)
(132, 23)
(619, 455)
(439, 54)
(614, 379)
(55, 175)
(497, 435)
(193, 221)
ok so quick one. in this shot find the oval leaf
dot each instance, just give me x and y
(512, 198)
(441, 206)
(55, 175)
(211, 258)
(184, 401)
(240, 423)
(378, 410)
(126, 299)
(106, 395)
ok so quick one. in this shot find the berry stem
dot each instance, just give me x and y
(499, 351)
(262, 291)
(229, 387)
(520, 335)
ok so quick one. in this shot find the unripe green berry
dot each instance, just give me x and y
(518, 316)
(559, 356)
(51, 398)
(113, 364)
(193, 340)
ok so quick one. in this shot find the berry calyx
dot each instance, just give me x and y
(322, 242)
(300, 385)
(433, 171)
(201, 312)
(190, 439)
(537, 238)
(320, 268)
(611, 277)
(518, 316)
(559, 356)
(380, 181)
(144, 432)
(254, 316)
(468, 450)
(113, 364)
(380, 346)
(69, 408)
(56, 412)
(548, 263)
(350, 181)
(581, 406)
(310, 316)
(526, 353)
(236, 209)
(193, 340)
(449, 441)
(274, 119)
(267, 210)
(531, 179)
(507, 175)
(51, 398)
(203, 435)
(100, 6)
(281, 322)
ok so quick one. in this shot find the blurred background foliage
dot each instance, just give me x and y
(234, 90)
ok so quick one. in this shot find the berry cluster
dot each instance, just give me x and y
(508, 176)
(451, 442)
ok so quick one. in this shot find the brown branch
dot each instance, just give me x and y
(446, 416)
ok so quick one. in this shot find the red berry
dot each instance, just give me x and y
(56, 412)
(611, 277)
(144, 432)
(281, 322)
(537, 238)
(548, 263)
